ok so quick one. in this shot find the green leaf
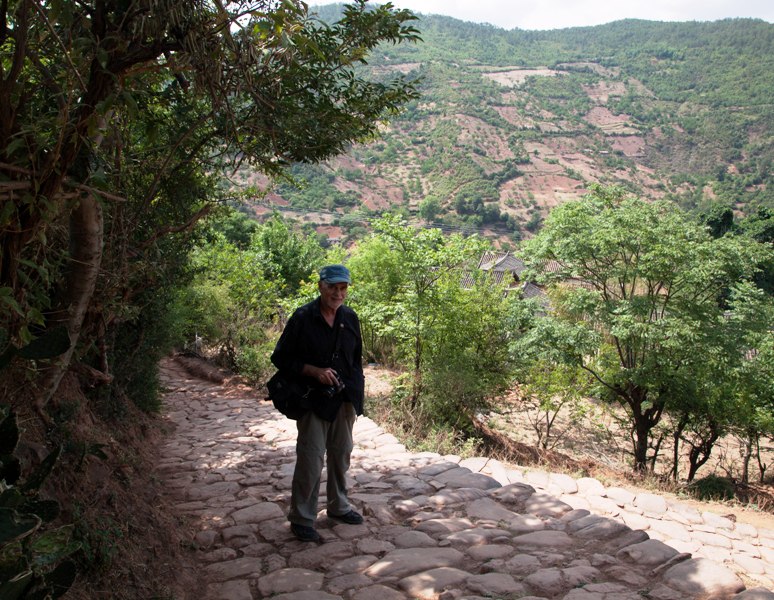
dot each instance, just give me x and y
(14, 526)
(52, 546)
(11, 303)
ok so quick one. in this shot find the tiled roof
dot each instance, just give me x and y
(530, 290)
(501, 261)
(502, 266)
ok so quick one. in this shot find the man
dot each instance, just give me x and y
(322, 345)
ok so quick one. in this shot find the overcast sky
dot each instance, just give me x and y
(558, 14)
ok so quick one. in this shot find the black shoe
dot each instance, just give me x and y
(351, 518)
(304, 533)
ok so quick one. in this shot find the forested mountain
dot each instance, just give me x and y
(512, 123)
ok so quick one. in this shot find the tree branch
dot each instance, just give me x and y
(187, 226)
(77, 186)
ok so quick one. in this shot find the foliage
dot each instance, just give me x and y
(754, 415)
(287, 256)
(425, 260)
(760, 227)
(120, 125)
(100, 540)
(712, 487)
(230, 299)
(252, 362)
(643, 316)
(419, 434)
(148, 123)
(239, 292)
(555, 387)
(377, 278)
(136, 346)
(415, 313)
(235, 225)
(467, 363)
(34, 556)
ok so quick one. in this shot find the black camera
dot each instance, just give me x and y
(329, 391)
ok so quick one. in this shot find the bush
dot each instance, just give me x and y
(202, 309)
(713, 487)
(415, 429)
(253, 364)
(34, 556)
(137, 347)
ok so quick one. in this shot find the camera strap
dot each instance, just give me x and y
(335, 352)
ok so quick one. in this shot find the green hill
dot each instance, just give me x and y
(512, 123)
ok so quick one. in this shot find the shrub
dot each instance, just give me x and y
(138, 344)
(712, 487)
(253, 364)
(34, 555)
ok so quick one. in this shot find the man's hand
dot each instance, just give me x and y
(325, 375)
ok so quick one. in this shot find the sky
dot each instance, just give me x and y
(559, 14)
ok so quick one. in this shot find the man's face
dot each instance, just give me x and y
(332, 295)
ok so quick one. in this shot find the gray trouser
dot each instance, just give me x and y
(316, 438)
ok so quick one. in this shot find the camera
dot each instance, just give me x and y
(329, 391)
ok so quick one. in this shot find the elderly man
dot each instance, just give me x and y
(322, 344)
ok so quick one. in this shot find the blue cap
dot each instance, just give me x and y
(335, 274)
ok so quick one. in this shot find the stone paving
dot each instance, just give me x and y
(435, 526)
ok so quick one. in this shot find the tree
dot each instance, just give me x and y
(377, 276)
(754, 417)
(466, 362)
(424, 270)
(121, 116)
(554, 387)
(719, 219)
(550, 379)
(429, 209)
(647, 281)
(288, 257)
(760, 227)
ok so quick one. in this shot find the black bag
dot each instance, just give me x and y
(289, 396)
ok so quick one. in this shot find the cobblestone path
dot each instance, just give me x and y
(436, 526)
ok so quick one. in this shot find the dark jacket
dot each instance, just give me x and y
(308, 339)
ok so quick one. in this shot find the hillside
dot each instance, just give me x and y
(512, 123)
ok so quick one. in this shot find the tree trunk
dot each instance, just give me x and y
(640, 430)
(700, 453)
(654, 457)
(85, 261)
(636, 397)
(747, 445)
(640, 437)
(417, 384)
(761, 465)
(681, 425)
